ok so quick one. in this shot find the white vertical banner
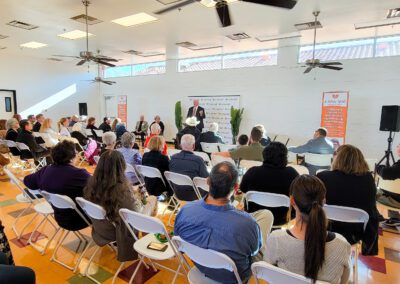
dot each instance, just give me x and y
(217, 109)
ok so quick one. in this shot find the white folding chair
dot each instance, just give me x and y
(151, 226)
(371, 164)
(301, 170)
(201, 183)
(292, 157)
(15, 159)
(284, 139)
(320, 171)
(96, 212)
(226, 147)
(352, 216)
(275, 275)
(98, 132)
(41, 162)
(64, 202)
(248, 164)
(204, 156)
(389, 185)
(319, 160)
(267, 199)
(209, 147)
(88, 132)
(81, 154)
(216, 159)
(96, 159)
(207, 258)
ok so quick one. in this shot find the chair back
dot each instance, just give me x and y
(275, 275)
(203, 155)
(91, 209)
(206, 257)
(88, 132)
(320, 171)
(201, 183)
(284, 139)
(96, 159)
(142, 223)
(216, 159)
(292, 157)
(346, 214)
(175, 179)
(389, 185)
(22, 146)
(129, 169)
(172, 152)
(267, 199)
(27, 193)
(10, 144)
(209, 147)
(99, 133)
(301, 170)
(226, 147)
(320, 160)
(248, 164)
(150, 172)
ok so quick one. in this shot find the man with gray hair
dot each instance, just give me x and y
(187, 163)
(211, 135)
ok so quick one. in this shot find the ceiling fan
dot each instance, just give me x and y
(87, 56)
(101, 80)
(316, 63)
(222, 7)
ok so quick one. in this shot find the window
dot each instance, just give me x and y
(118, 71)
(250, 59)
(387, 46)
(153, 68)
(352, 49)
(200, 64)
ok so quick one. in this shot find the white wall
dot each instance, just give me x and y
(36, 79)
(280, 97)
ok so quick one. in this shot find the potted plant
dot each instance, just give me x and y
(236, 119)
(178, 115)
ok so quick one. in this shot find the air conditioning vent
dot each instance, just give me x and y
(393, 13)
(168, 2)
(308, 26)
(82, 19)
(22, 25)
(3, 36)
(195, 47)
(238, 36)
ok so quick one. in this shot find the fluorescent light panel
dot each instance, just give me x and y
(33, 44)
(211, 3)
(75, 34)
(375, 24)
(278, 37)
(136, 19)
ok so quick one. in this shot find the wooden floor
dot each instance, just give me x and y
(385, 268)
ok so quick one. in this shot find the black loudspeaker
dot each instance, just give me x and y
(390, 118)
(83, 109)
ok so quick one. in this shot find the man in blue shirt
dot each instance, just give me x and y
(213, 223)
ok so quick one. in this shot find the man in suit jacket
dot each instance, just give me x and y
(25, 136)
(38, 124)
(318, 145)
(141, 128)
(198, 112)
(211, 135)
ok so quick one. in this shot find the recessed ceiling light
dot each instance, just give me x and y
(136, 19)
(33, 44)
(76, 34)
(211, 3)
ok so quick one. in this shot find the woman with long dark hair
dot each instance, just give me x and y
(109, 188)
(308, 248)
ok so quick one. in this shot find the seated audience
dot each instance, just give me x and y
(190, 128)
(50, 137)
(265, 140)
(106, 125)
(74, 119)
(243, 140)
(318, 145)
(109, 140)
(308, 248)
(63, 178)
(132, 156)
(251, 152)
(157, 120)
(25, 136)
(390, 172)
(18, 117)
(214, 223)
(351, 184)
(32, 119)
(88, 145)
(109, 188)
(79, 134)
(38, 124)
(187, 163)
(141, 128)
(154, 158)
(12, 129)
(63, 127)
(120, 130)
(211, 135)
(114, 124)
(273, 176)
(155, 130)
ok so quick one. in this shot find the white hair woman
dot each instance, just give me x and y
(131, 156)
(109, 139)
(12, 129)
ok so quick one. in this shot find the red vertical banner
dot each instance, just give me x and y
(334, 115)
(122, 108)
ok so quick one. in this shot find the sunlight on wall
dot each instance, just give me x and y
(47, 103)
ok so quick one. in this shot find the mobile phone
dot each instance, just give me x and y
(157, 246)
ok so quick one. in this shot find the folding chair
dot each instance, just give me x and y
(353, 216)
(81, 154)
(175, 179)
(389, 185)
(275, 275)
(41, 161)
(267, 199)
(64, 202)
(226, 147)
(248, 164)
(216, 159)
(204, 156)
(201, 183)
(319, 160)
(209, 147)
(284, 139)
(88, 132)
(172, 152)
(207, 258)
(96, 159)
(150, 226)
(301, 170)
(14, 153)
(96, 212)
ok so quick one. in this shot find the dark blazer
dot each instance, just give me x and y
(200, 115)
(210, 137)
(12, 135)
(190, 130)
(27, 138)
(162, 126)
(36, 127)
(156, 160)
(70, 181)
(105, 127)
(357, 192)
(267, 178)
(390, 173)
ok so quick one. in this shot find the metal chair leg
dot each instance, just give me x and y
(118, 271)
(136, 270)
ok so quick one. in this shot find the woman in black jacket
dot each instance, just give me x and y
(351, 184)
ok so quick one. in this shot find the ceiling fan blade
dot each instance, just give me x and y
(223, 13)
(176, 6)
(107, 82)
(69, 56)
(287, 4)
(332, 63)
(330, 67)
(106, 58)
(308, 70)
(81, 62)
(103, 62)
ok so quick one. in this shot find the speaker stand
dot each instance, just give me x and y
(388, 153)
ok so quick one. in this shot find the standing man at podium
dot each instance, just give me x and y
(198, 112)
